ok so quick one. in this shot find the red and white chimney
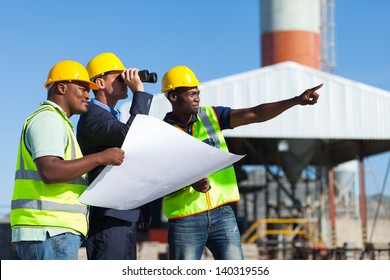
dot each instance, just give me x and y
(290, 31)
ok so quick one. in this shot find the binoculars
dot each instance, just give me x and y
(144, 76)
(147, 77)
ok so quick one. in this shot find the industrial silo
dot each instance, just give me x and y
(290, 31)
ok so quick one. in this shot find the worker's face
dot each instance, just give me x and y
(115, 87)
(77, 96)
(186, 100)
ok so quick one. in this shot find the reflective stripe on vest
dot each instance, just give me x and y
(209, 128)
(37, 204)
(47, 205)
(187, 201)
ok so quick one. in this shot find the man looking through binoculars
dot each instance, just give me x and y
(112, 233)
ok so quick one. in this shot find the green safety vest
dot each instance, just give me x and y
(36, 204)
(224, 189)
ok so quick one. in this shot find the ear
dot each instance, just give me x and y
(61, 88)
(172, 96)
(100, 82)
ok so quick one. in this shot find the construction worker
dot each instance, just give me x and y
(47, 220)
(113, 233)
(200, 215)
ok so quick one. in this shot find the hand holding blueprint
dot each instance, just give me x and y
(159, 159)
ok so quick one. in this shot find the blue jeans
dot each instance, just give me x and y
(215, 229)
(59, 247)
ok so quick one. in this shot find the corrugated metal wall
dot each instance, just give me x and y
(346, 109)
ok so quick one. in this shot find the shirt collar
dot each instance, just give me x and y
(59, 110)
(115, 112)
(168, 119)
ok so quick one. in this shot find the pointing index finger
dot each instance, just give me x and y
(317, 87)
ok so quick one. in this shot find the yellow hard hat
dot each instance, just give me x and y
(69, 70)
(178, 76)
(103, 63)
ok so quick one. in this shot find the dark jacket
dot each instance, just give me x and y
(99, 129)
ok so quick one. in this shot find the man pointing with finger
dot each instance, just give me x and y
(200, 215)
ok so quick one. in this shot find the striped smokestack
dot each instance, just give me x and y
(290, 31)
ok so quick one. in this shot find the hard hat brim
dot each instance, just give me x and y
(91, 85)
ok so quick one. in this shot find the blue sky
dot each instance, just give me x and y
(215, 38)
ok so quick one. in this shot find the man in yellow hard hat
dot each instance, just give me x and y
(200, 215)
(113, 233)
(47, 220)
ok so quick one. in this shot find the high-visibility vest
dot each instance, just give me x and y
(224, 189)
(36, 204)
